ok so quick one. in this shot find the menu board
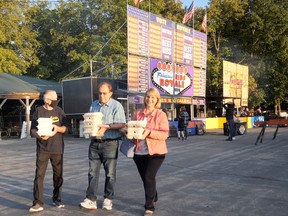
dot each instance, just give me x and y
(200, 49)
(154, 40)
(199, 82)
(183, 44)
(138, 78)
(160, 38)
(138, 32)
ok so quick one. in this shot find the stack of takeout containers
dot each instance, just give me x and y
(91, 123)
(135, 129)
(45, 126)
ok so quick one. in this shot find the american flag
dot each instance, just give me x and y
(204, 22)
(189, 13)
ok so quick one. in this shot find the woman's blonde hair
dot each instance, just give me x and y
(156, 93)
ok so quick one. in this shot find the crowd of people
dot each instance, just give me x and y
(149, 153)
(245, 112)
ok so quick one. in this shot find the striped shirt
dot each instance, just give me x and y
(185, 117)
(113, 113)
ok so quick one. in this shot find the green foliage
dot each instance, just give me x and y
(17, 40)
(214, 81)
(253, 33)
(77, 31)
(263, 34)
(222, 16)
(256, 94)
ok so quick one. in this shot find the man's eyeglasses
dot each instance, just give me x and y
(103, 93)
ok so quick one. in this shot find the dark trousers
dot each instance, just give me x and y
(148, 166)
(42, 160)
(231, 127)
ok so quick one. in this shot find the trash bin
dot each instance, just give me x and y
(240, 128)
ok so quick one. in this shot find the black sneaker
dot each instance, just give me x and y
(58, 203)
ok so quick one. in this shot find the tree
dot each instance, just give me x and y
(256, 94)
(222, 16)
(77, 31)
(17, 40)
(263, 34)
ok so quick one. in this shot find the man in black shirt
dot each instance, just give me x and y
(230, 108)
(48, 147)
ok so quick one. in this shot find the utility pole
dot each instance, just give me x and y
(112, 71)
(91, 68)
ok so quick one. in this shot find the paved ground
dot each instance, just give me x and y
(203, 176)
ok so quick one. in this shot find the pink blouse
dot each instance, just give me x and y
(158, 123)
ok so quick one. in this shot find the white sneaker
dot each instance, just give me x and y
(88, 204)
(107, 204)
(36, 208)
(233, 138)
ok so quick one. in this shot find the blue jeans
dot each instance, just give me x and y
(185, 131)
(105, 153)
(231, 127)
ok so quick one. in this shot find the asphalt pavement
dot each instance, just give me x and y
(201, 176)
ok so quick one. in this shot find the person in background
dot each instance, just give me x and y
(230, 108)
(185, 116)
(243, 112)
(181, 126)
(165, 111)
(259, 111)
(104, 149)
(49, 148)
(150, 152)
(247, 111)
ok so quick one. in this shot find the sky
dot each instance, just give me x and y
(197, 3)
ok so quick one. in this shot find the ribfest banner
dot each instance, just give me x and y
(235, 82)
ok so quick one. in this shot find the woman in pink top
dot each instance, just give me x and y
(150, 152)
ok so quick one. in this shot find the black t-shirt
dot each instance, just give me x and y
(181, 124)
(229, 111)
(55, 144)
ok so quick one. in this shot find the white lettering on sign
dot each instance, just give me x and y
(169, 81)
